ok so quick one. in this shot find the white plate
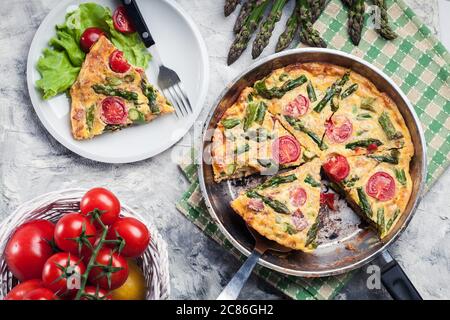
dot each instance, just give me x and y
(181, 47)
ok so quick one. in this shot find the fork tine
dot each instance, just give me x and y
(169, 97)
(180, 98)
(180, 88)
(179, 101)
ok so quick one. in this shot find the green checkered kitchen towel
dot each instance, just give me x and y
(418, 63)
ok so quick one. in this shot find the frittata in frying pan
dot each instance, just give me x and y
(341, 121)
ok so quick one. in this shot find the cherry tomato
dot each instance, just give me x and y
(255, 204)
(114, 111)
(133, 232)
(286, 149)
(19, 291)
(72, 231)
(40, 294)
(297, 108)
(104, 201)
(29, 248)
(381, 186)
(337, 167)
(327, 199)
(95, 293)
(89, 37)
(118, 63)
(59, 268)
(121, 21)
(338, 129)
(108, 259)
(298, 196)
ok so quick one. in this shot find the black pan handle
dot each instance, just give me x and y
(396, 281)
(138, 21)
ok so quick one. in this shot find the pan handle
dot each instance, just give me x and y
(396, 281)
(234, 287)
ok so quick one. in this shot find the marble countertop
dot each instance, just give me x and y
(32, 163)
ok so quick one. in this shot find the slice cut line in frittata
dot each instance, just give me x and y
(285, 208)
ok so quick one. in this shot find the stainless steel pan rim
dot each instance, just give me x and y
(421, 183)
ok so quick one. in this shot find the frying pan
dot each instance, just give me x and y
(345, 242)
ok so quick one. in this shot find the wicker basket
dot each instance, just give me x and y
(51, 206)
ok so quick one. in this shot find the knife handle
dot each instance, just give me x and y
(138, 21)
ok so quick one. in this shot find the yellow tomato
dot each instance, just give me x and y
(134, 288)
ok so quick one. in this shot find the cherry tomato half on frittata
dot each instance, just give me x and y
(286, 149)
(381, 186)
(118, 63)
(337, 167)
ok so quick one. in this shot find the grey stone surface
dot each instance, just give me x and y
(32, 163)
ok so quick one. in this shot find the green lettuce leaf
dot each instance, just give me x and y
(131, 45)
(60, 64)
(58, 74)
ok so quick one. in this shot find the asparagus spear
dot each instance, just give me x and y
(308, 34)
(278, 92)
(312, 233)
(230, 123)
(356, 20)
(349, 91)
(150, 93)
(246, 9)
(401, 176)
(250, 25)
(277, 180)
(311, 92)
(317, 7)
(380, 220)
(110, 91)
(263, 36)
(276, 205)
(332, 91)
(299, 126)
(385, 29)
(364, 202)
(388, 127)
(291, 28)
(310, 180)
(230, 6)
(388, 158)
(363, 143)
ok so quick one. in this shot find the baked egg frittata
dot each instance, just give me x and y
(104, 99)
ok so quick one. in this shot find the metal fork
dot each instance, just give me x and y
(168, 80)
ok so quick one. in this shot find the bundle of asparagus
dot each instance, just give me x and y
(230, 6)
(301, 21)
(308, 35)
